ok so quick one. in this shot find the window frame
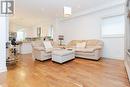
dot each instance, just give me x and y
(23, 36)
(51, 32)
(112, 35)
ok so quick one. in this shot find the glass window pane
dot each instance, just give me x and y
(113, 26)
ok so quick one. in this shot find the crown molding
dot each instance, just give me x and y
(94, 10)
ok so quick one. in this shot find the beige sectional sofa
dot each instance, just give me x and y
(89, 49)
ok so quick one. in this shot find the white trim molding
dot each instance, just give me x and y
(3, 40)
(3, 69)
(96, 9)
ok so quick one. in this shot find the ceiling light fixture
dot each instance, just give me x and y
(67, 11)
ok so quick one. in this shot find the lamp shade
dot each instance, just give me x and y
(61, 37)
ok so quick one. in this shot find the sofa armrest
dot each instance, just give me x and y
(98, 47)
(95, 47)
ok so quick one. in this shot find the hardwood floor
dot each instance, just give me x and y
(76, 73)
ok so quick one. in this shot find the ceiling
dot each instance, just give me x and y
(30, 12)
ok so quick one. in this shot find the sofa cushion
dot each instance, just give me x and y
(49, 50)
(81, 45)
(95, 47)
(84, 54)
(85, 50)
(47, 45)
(91, 42)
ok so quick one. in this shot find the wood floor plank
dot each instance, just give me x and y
(75, 73)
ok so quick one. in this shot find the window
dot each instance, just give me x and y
(20, 36)
(113, 26)
(51, 31)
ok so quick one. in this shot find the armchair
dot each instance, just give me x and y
(39, 52)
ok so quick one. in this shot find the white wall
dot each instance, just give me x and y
(88, 26)
(114, 48)
(3, 39)
(45, 27)
(57, 29)
(31, 31)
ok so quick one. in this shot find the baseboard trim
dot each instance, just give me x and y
(3, 70)
(113, 58)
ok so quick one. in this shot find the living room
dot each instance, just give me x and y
(53, 39)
